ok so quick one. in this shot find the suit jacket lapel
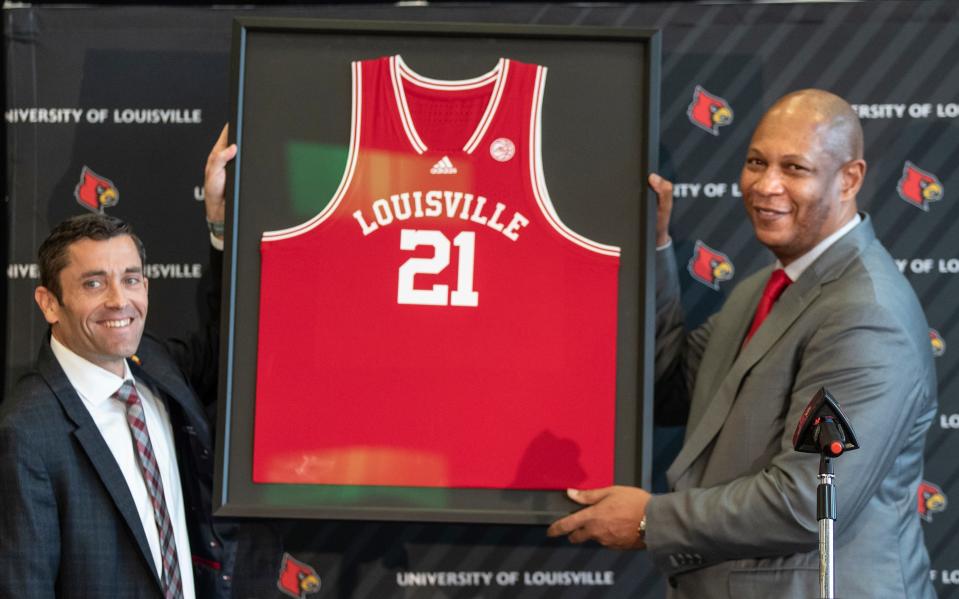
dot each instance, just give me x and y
(787, 309)
(727, 333)
(90, 439)
(716, 391)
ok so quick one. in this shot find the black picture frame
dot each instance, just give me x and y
(600, 138)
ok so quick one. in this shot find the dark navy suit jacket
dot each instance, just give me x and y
(68, 523)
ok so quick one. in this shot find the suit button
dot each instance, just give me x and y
(205, 454)
(212, 543)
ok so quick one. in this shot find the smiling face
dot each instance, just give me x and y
(801, 177)
(104, 301)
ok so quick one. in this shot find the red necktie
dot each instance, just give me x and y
(777, 283)
(172, 585)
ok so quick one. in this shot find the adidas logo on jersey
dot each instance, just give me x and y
(443, 167)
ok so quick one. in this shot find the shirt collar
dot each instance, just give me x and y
(800, 264)
(92, 382)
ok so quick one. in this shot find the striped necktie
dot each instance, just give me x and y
(172, 584)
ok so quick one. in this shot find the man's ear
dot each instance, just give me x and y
(48, 303)
(853, 173)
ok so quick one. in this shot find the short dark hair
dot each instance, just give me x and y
(53, 253)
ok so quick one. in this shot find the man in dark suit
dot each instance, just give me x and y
(105, 449)
(834, 311)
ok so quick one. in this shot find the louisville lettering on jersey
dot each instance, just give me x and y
(440, 204)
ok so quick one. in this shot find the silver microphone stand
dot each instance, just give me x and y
(826, 514)
(824, 429)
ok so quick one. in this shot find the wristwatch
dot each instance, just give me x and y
(642, 528)
(216, 228)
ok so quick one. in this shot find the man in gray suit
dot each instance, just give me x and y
(740, 520)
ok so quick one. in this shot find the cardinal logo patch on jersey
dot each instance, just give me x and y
(94, 192)
(296, 578)
(937, 342)
(709, 112)
(710, 267)
(919, 187)
(931, 500)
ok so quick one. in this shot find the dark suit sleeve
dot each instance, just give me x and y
(29, 531)
(678, 353)
(198, 356)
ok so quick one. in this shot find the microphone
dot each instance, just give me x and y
(828, 437)
(823, 428)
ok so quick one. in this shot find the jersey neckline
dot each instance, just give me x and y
(400, 72)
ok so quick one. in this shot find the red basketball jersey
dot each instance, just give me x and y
(436, 324)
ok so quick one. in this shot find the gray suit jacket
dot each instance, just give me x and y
(741, 520)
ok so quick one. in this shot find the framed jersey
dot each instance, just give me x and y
(439, 263)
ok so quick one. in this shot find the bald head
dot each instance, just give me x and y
(835, 121)
(803, 170)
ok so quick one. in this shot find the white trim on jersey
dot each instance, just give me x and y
(539, 182)
(491, 108)
(448, 84)
(403, 108)
(351, 161)
(399, 71)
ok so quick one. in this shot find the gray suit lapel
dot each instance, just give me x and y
(787, 309)
(716, 391)
(88, 436)
(725, 338)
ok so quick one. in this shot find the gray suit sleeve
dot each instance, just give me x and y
(865, 357)
(29, 532)
(678, 354)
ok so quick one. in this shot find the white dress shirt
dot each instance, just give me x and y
(95, 386)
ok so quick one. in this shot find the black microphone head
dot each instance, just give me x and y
(823, 428)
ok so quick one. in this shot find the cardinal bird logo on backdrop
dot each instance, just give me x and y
(709, 266)
(931, 500)
(938, 343)
(296, 578)
(709, 112)
(94, 192)
(919, 187)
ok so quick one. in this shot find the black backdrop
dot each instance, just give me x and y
(151, 88)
